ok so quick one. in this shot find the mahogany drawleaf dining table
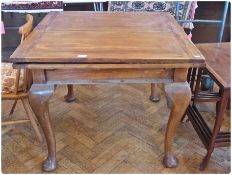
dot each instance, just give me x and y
(108, 47)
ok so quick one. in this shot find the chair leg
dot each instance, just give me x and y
(205, 161)
(221, 107)
(12, 109)
(32, 118)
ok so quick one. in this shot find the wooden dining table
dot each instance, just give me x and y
(108, 47)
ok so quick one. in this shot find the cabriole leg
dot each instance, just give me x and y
(70, 95)
(178, 99)
(154, 97)
(39, 95)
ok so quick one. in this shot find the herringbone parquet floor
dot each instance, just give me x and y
(109, 129)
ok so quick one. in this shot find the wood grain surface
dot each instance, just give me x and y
(218, 61)
(108, 37)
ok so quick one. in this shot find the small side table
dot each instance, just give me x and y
(218, 67)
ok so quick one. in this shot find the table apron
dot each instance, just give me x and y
(105, 75)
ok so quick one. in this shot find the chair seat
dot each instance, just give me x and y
(9, 78)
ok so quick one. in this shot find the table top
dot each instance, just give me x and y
(217, 57)
(108, 37)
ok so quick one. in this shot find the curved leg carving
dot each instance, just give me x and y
(39, 95)
(70, 95)
(178, 99)
(154, 97)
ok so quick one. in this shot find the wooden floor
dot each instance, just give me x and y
(109, 129)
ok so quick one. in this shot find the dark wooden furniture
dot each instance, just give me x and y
(218, 67)
(108, 47)
(22, 94)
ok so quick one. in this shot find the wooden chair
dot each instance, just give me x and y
(218, 67)
(15, 85)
